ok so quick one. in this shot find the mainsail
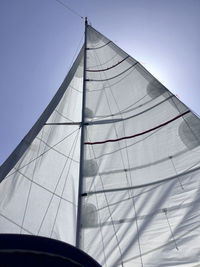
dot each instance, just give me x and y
(112, 166)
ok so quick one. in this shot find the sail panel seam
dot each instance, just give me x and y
(92, 80)
(46, 189)
(142, 217)
(127, 118)
(63, 116)
(50, 148)
(111, 85)
(59, 152)
(94, 48)
(89, 70)
(64, 186)
(57, 183)
(188, 171)
(5, 217)
(138, 134)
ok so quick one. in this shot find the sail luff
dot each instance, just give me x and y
(78, 226)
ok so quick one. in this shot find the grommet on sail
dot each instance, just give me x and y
(112, 166)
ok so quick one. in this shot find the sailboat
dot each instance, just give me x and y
(111, 168)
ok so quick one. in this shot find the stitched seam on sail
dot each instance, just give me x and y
(145, 185)
(66, 179)
(5, 217)
(46, 189)
(130, 117)
(110, 215)
(58, 181)
(91, 91)
(138, 134)
(94, 48)
(115, 65)
(91, 80)
(41, 154)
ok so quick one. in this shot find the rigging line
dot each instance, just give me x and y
(86, 201)
(44, 147)
(151, 214)
(66, 179)
(144, 165)
(130, 176)
(46, 189)
(41, 154)
(74, 58)
(171, 159)
(138, 134)
(58, 181)
(8, 219)
(181, 237)
(119, 147)
(93, 80)
(69, 8)
(117, 82)
(187, 171)
(108, 103)
(62, 116)
(59, 152)
(133, 193)
(165, 212)
(133, 144)
(126, 118)
(122, 159)
(108, 207)
(94, 48)
(125, 199)
(31, 183)
(110, 213)
(127, 109)
(89, 70)
(105, 63)
(98, 59)
(148, 215)
(75, 89)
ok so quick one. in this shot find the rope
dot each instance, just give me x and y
(70, 9)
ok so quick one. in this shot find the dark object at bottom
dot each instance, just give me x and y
(26, 250)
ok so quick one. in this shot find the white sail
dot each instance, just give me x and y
(38, 196)
(140, 169)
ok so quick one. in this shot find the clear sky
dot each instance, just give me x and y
(39, 39)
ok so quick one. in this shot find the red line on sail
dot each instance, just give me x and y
(138, 134)
(109, 67)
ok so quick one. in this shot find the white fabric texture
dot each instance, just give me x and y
(39, 195)
(140, 195)
(141, 198)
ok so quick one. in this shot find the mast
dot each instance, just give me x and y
(78, 225)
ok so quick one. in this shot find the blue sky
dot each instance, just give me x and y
(39, 39)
